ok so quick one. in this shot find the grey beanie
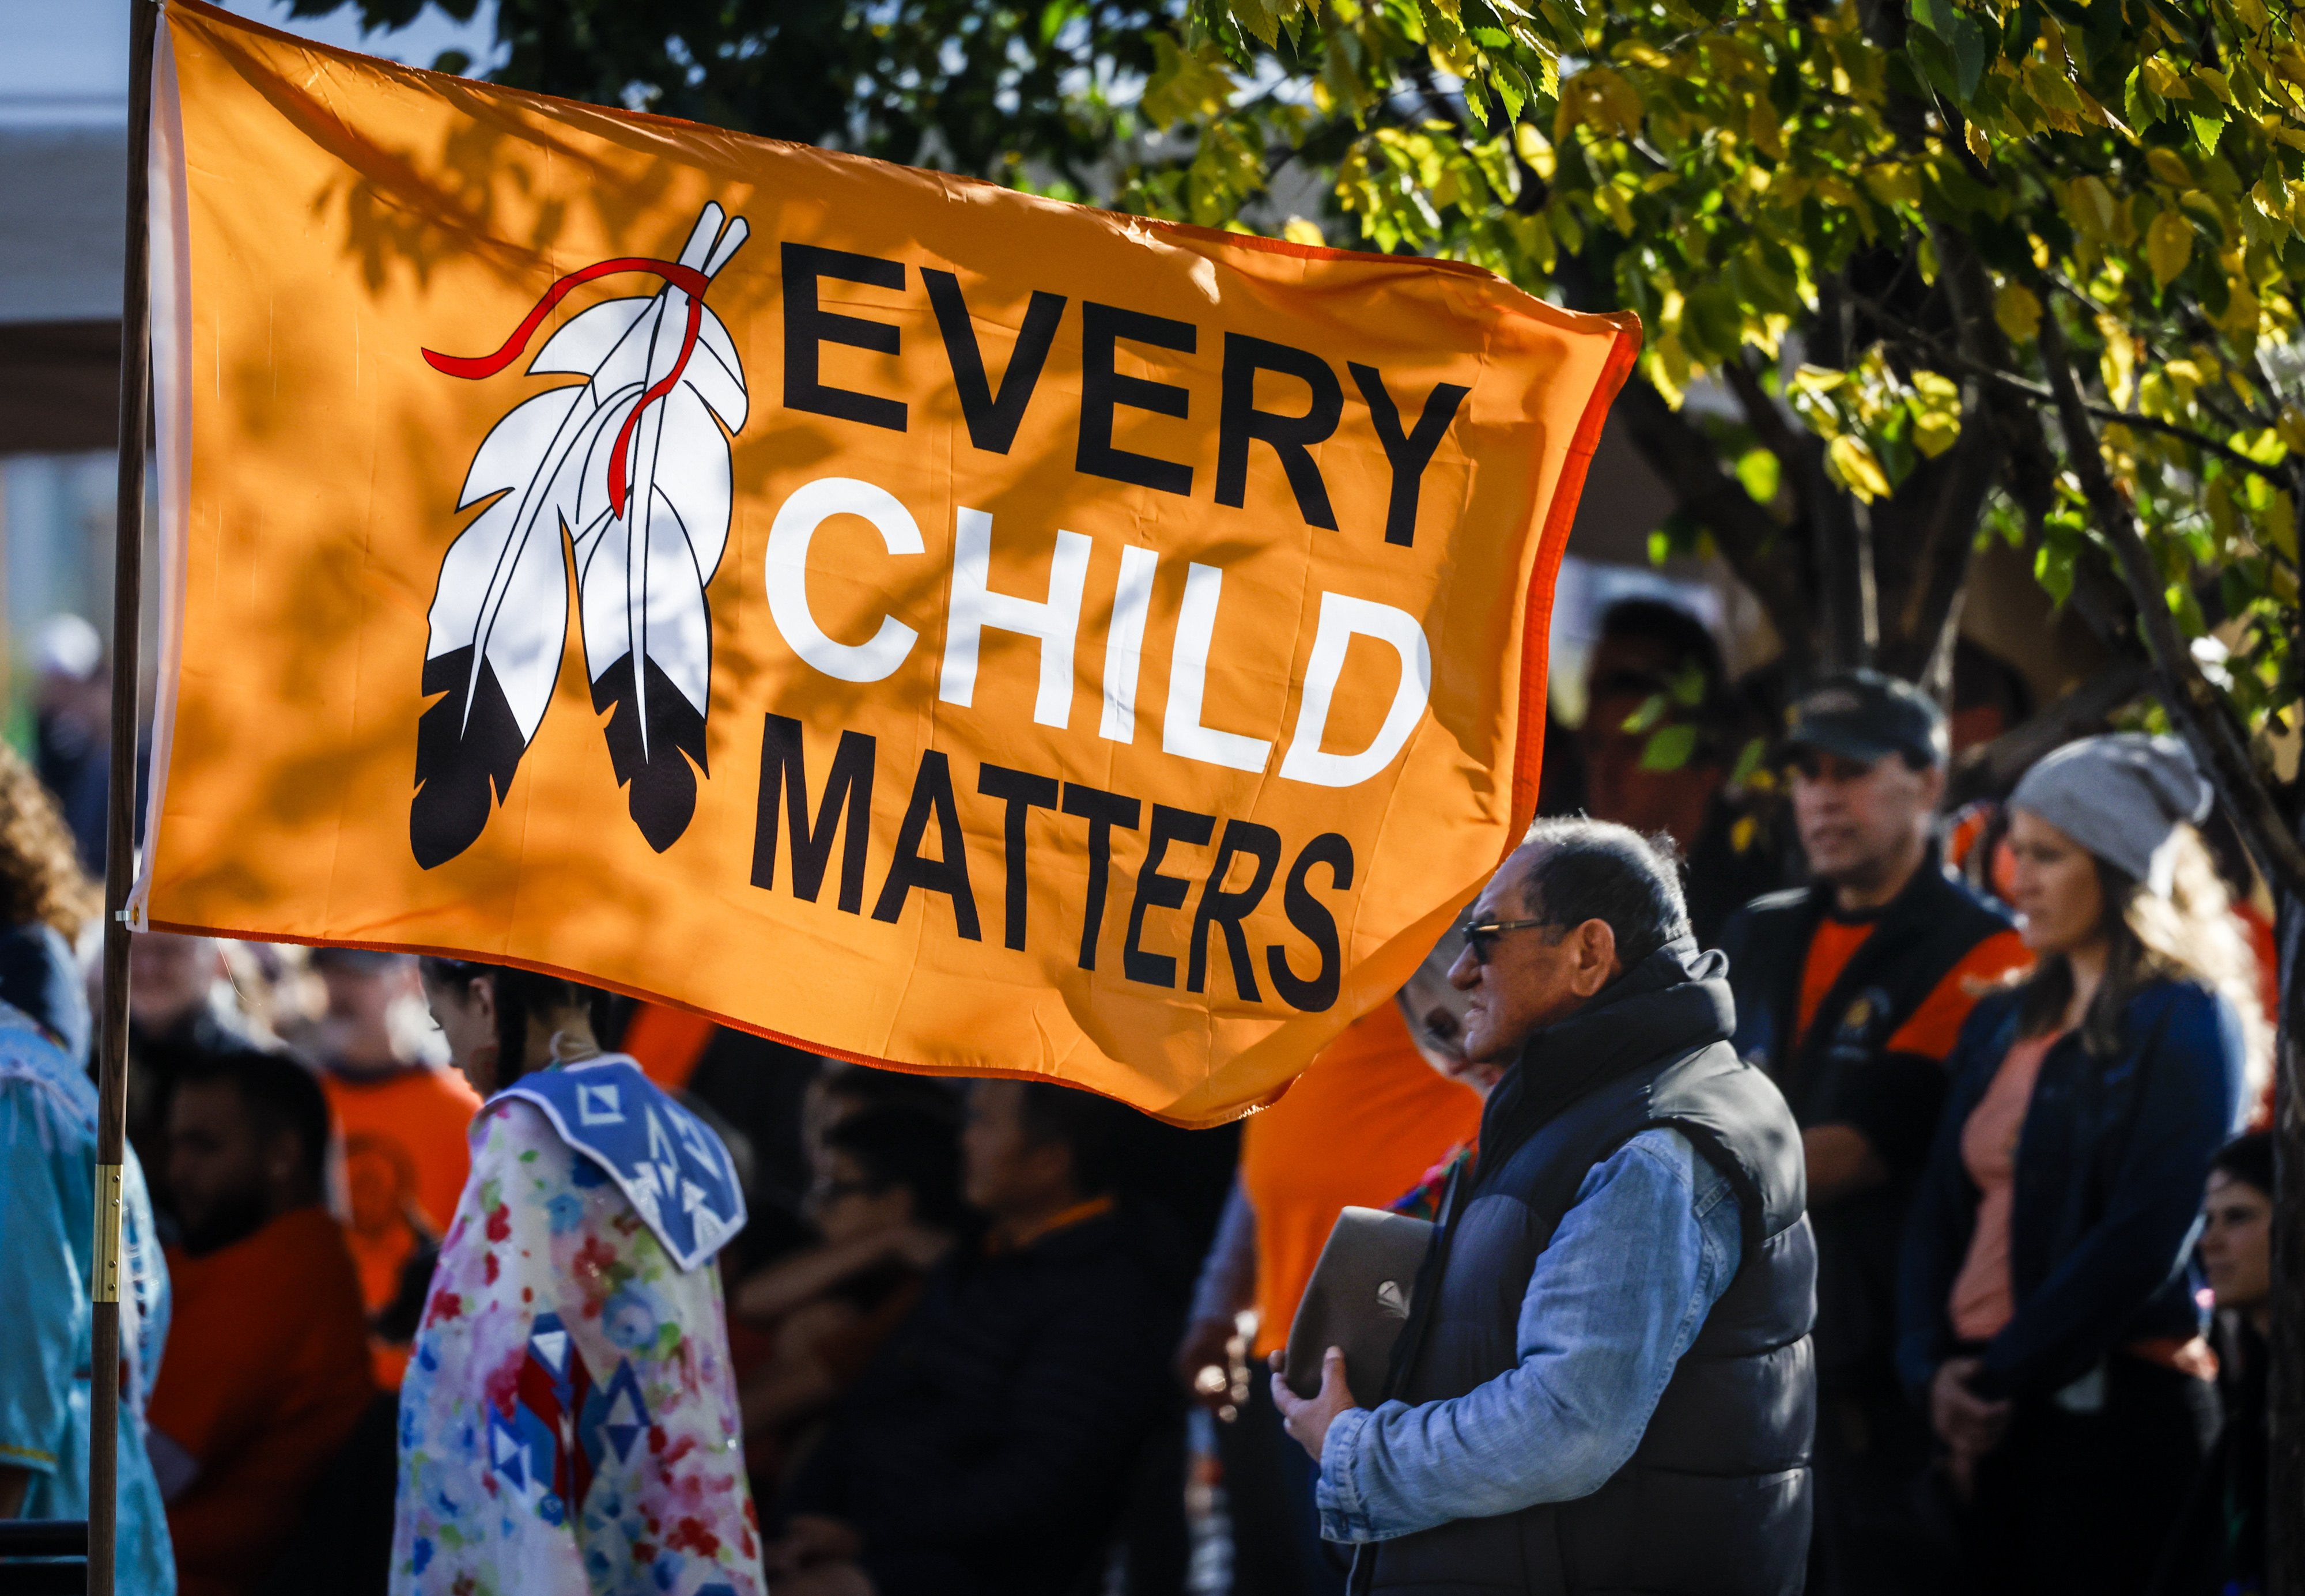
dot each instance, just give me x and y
(2122, 797)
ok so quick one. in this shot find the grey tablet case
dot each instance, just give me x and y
(1358, 1299)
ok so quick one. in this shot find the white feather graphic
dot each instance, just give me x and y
(632, 468)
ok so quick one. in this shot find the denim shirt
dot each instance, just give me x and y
(1598, 1341)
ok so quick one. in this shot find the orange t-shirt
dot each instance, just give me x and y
(1984, 1293)
(266, 1374)
(1934, 1027)
(405, 1160)
(1357, 1129)
(666, 1043)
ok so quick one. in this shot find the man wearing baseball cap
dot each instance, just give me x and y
(1850, 993)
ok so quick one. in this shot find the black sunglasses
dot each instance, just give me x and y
(1478, 938)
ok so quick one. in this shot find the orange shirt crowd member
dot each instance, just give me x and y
(1357, 1129)
(266, 1370)
(403, 1126)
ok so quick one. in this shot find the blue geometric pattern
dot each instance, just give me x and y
(615, 1417)
(669, 1165)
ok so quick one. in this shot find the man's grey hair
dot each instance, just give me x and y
(1578, 868)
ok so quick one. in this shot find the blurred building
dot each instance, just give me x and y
(64, 188)
(63, 151)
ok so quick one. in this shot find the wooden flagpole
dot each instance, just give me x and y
(119, 855)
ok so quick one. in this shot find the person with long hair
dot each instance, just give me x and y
(568, 1422)
(2047, 1315)
(45, 898)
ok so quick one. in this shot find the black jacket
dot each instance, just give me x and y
(990, 1447)
(1715, 1498)
(2111, 1167)
(1841, 1072)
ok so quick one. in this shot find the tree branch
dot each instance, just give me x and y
(1948, 540)
(1992, 768)
(2193, 704)
(1761, 413)
(1954, 360)
(1691, 467)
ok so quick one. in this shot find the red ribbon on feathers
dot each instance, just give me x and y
(688, 279)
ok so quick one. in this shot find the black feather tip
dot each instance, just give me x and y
(663, 786)
(459, 760)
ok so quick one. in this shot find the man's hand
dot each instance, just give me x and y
(1969, 1425)
(1307, 1418)
(1204, 1363)
(810, 1538)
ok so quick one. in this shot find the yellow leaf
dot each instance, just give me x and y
(1536, 149)
(1460, 62)
(2168, 246)
(1892, 183)
(2092, 206)
(1936, 405)
(1604, 99)
(1855, 465)
(2277, 530)
(1610, 199)
(2170, 167)
(1185, 87)
(2215, 82)
(1978, 146)
(2119, 361)
(1767, 133)
(2162, 78)
(1668, 369)
(1624, 101)
(1301, 232)
(2018, 311)
(2241, 307)
(1935, 433)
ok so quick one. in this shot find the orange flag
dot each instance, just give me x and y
(927, 622)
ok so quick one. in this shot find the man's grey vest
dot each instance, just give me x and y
(1715, 1500)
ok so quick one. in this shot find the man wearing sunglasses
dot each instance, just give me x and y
(1849, 994)
(1606, 1382)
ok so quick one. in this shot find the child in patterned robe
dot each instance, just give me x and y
(568, 1425)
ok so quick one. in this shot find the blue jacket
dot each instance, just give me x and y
(2111, 1167)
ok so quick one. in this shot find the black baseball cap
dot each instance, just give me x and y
(1864, 715)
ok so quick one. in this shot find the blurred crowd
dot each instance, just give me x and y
(1010, 1338)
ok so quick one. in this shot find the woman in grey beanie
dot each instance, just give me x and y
(2046, 1303)
(2128, 799)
